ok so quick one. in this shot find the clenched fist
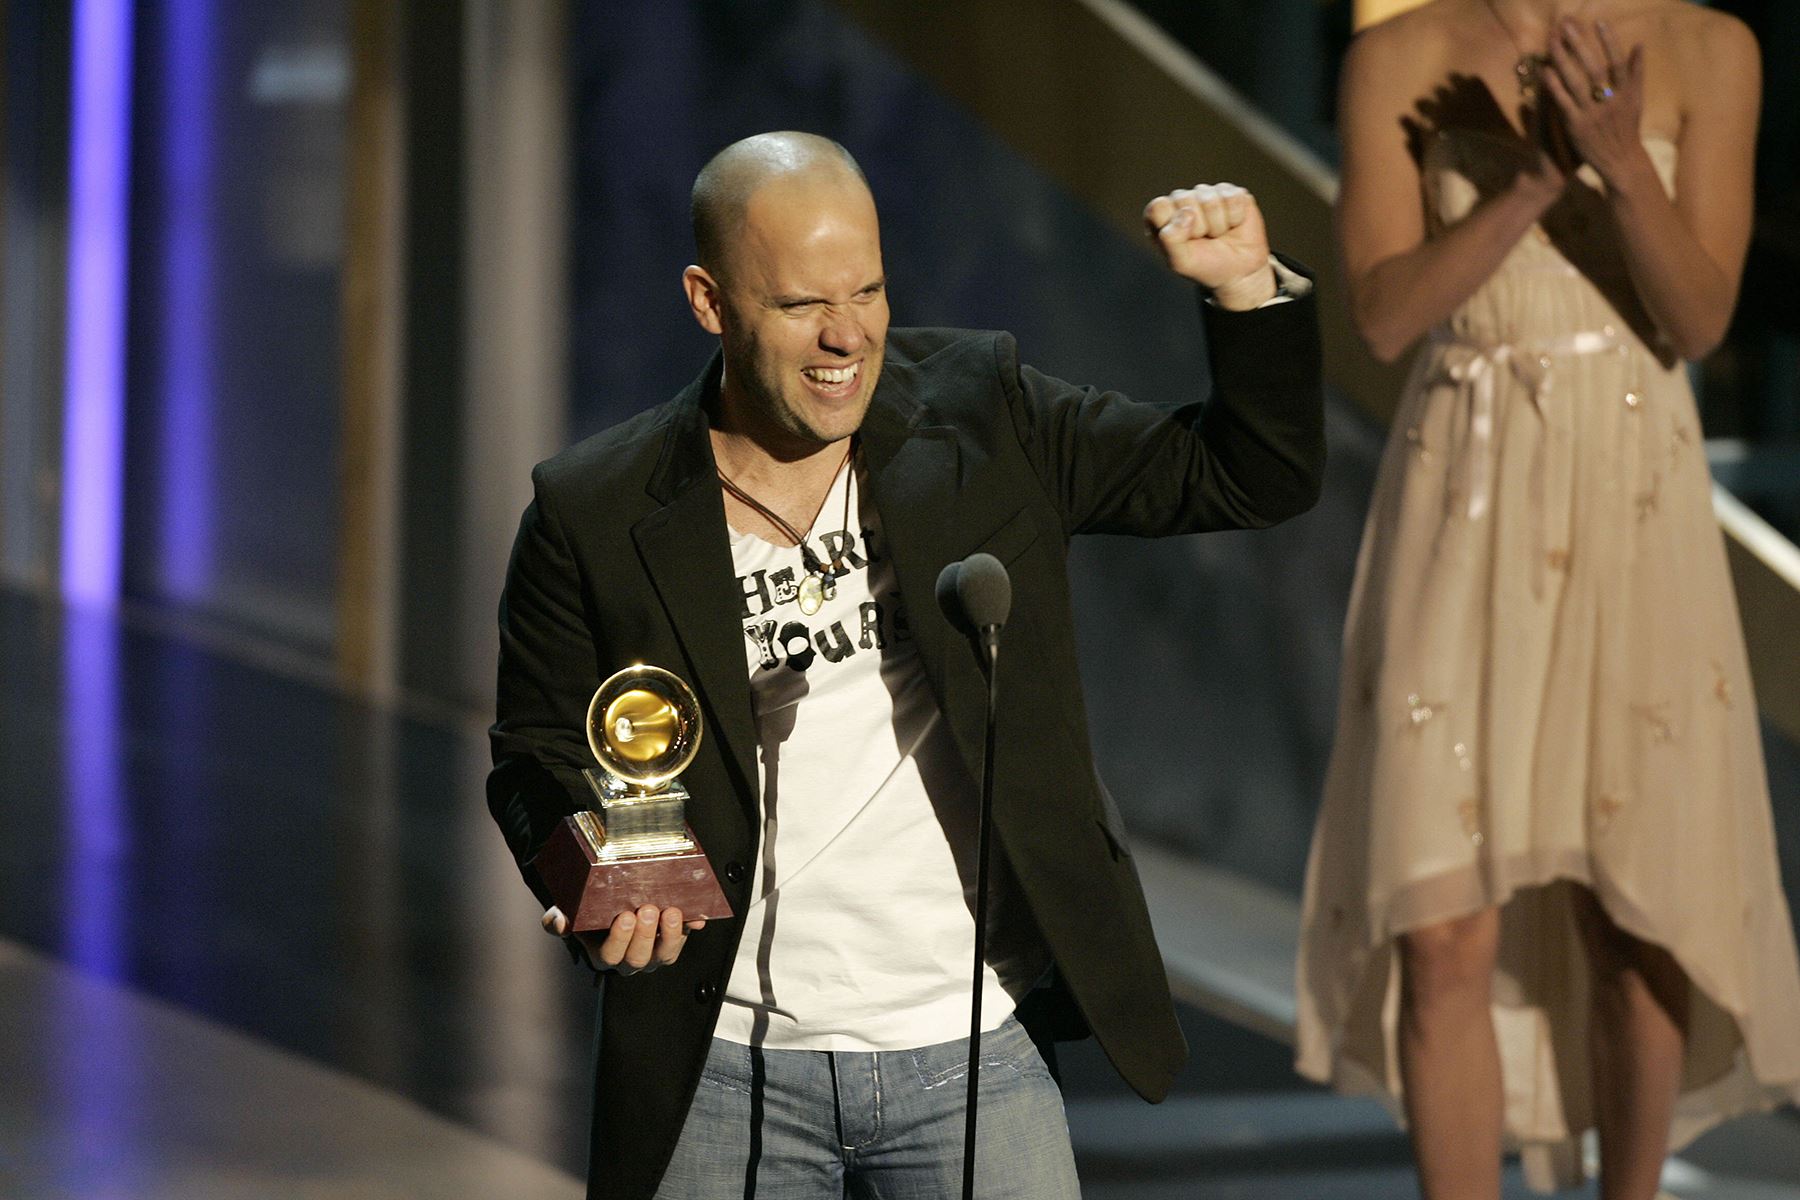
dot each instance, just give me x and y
(1213, 234)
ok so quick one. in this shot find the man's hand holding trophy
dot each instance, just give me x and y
(630, 865)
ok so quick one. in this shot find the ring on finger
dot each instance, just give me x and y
(1601, 93)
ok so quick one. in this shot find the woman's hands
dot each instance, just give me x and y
(1599, 97)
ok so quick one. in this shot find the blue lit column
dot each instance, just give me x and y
(94, 366)
(93, 475)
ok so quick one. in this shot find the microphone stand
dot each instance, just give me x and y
(990, 663)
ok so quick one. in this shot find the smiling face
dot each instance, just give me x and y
(800, 307)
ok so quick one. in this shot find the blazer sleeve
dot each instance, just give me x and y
(1252, 454)
(545, 680)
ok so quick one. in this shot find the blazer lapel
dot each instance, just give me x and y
(914, 479)
(686, 553)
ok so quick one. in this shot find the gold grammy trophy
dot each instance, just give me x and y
(634, 847)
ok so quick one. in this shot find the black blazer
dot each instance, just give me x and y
(624, 557)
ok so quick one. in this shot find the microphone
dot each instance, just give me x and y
(949, 602)
(976, 596)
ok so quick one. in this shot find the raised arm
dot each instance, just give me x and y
(1686, 254)
(1401, 284)
(1251, 455)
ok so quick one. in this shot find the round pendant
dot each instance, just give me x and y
(1530, 70)
(812, 594)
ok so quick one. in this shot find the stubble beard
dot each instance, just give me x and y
(779, 425)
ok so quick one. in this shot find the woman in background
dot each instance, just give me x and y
(1543, 895)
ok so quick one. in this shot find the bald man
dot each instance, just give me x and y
(773, 535)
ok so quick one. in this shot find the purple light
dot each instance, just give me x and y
(187, 332)
(93, 905)
(94, 371)
(97, 1079)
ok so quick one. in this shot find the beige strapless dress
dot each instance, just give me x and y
(1544, 685)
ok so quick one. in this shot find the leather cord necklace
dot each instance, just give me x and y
(820, 583)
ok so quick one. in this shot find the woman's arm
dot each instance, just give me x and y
(1400, 283)
(1686, 255)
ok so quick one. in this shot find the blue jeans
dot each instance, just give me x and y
(804, 1124)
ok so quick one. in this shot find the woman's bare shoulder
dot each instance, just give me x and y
(1427, 29)
(1416, 45)
(1714, 53)
(1721, 38)
(1698, 33)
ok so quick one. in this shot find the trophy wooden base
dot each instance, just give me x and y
(592, 889)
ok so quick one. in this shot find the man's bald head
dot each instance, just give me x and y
(725, 184)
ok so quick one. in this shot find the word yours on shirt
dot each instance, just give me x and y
(797, 644)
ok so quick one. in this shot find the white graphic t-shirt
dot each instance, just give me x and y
(860, 931)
